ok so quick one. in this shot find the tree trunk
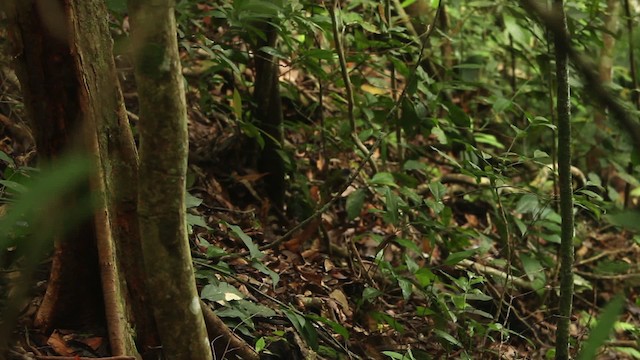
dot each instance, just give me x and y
(163, 166)
(65, 64)
(268, 114)
(565, 187)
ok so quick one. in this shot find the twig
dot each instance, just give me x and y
(347, 86)
(216, 326)
(487, 270)
(619, 277)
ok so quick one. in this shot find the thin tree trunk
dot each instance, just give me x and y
(163, 166)
(268, 112)
(566, 191)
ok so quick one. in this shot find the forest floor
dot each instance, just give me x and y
(344, 287)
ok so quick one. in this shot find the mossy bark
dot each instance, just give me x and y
(163, 166)
(566, 191)
(64, 60)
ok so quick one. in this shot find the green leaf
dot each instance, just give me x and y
(501, 104)
(196, 220)
(304, 328)
(222, 292)
(389, 320)
(192, 201)
(237, 104)
(6, 158)
(629, 219)
(273, 52)
(447, 337)
(260, 344)
(355, 200)
(370, 293)
(534, 271)
(601, 331)
(383, 179)
(528, 203)
(275, 278)
(439, 134)
(337, 328)
(18, 188)
(406, 287)
(414, 165)
(425, 277)
(456, 257)
(248, 242)
(538, 154)
(444, 155)
(437, 190)
(391, 203)
(458, 116)
(488, 139)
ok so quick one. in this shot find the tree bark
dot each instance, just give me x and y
(42, 49)
(65, 64)
(268, 114)
(163, 165)
(565, 187)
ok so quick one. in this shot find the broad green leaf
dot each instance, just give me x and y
(600, 333)
(406, 287)
(355, 200)
(488, 139)
(248, 242)
(408, 244)
(437, 190)
(275, 278)
(629, 219)
(538, 154)
(339, 329)
(389, 320)
(425, 277)
(534, 270)
(449, 158)
(391, 205)
(414, 165)
(528, 203)
(17, 187)
(439, 134)
(447, 337)
(260, 344)
(192, 201)
(222, 292)
(6, 158)
(458, 116)
(501, 104)
(273, 52)
(237, 104)
(370, 293)
(383, 179)
(456, 257)
(196, 220)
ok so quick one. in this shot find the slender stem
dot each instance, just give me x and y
(347, 86)
(566, 191)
